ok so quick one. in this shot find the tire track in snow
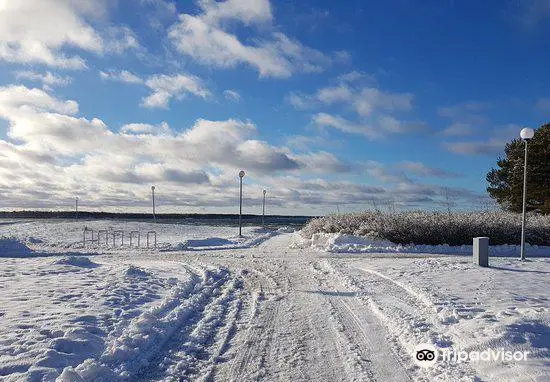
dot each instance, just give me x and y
(194, 354)
(362, 334)
(250, 356)
(149, 338)
(409, 317)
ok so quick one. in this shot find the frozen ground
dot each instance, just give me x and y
(207, 305)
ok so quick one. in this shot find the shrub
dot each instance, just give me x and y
(432, 228)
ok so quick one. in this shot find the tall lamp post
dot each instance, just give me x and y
(153, 192)
(241, 176)
(526, 134)
(76, 207)
(263, 210)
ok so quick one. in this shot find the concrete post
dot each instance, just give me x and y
(481, 251)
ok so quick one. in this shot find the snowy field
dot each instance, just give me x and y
(206, 305)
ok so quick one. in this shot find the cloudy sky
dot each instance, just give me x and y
(328, 105)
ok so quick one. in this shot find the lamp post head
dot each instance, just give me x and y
(153, 188)
(527, 133)
(241, 174)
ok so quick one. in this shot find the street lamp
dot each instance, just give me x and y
(76, 207)
(241, 176)
(153, 192)
(263, 211)
(526, 134)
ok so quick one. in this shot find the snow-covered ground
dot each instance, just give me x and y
(207, 305)
(342, 243)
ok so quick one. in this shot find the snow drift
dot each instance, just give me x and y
(342, 243)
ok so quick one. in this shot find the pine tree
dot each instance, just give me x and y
(506, 181)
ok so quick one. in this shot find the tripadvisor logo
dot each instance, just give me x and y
(427, 355)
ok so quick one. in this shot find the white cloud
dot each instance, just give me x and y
(301, 101)
(246, 11)
(494, 143)
(46, 125)
(421, 169)
(159, 12)
(303, 142)
(339, 123)
(205, 38)
(370, 99)
(365, 101)
(145, 128)
(323, 162)
(166, 87)
(50, 147)
(37, 31)
(392, 125)
(334, 94)
(13, 98)
(458, 129)
(382, 126)
(355, 76)
(122, 76)
(119, 39)
(465, 118)
(491, 147)
(47, 78)
(232, 95)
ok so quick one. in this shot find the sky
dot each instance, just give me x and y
(327, 105)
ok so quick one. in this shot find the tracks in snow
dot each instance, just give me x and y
(280, 314)
(409, 317)
(365, 337)
(249, 356)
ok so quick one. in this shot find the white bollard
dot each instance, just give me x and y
(481, 251)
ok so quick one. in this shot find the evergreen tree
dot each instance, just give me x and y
(506, 181)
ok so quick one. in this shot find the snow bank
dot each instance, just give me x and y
(11, 247)
(341, 243)
(286, 229)
(209, 242)
(77, 261)
(253, 238)
(137, 272)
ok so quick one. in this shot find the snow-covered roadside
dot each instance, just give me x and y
(35, 237)
(341, 243)
(453, 304)
(81, 317)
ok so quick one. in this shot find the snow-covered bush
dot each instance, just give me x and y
(432, 228)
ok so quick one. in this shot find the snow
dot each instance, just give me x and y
(342, 243)
(209, 305)
(13, 247)
(76, 261)
(60, 235)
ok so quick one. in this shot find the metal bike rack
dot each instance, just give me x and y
(154, 233)
(104, 232)
(136, 233)
(115, 234)
(110, 237)
(86, 229)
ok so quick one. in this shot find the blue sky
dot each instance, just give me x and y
(327, 105)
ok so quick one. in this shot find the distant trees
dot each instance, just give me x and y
(506, 181)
